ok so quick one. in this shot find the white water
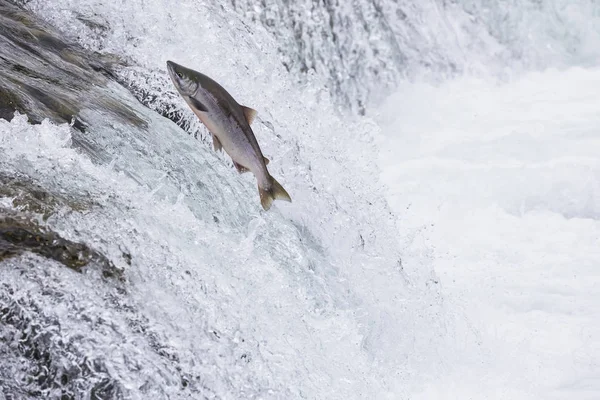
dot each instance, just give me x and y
(494, 186)
(309, 300)
(503, 181)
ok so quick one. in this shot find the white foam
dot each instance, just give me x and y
(505, 178)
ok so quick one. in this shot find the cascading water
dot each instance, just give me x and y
(364, 48)
(217, 298)
(187, 288)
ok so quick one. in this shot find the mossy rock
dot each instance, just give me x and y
(21, 233)
(28, 196)
(44, 75)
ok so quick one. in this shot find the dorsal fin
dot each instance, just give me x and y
(250, 113)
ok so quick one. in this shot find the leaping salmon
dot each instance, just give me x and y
(229, 124)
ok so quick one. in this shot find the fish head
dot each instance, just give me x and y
(186, 81)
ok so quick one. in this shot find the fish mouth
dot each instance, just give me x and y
(179, 76)
(171, 68)
(175, 71)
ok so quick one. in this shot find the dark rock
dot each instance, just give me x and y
(27, 196)
(45, 76)
(19, 234)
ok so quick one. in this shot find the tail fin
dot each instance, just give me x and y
(277, 192)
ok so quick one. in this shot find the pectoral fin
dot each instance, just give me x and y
(216, 144)
(198, 105)
(250, 113)
(241, 169)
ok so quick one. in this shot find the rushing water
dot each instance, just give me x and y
(188, 289)
(218, 298)
(364, 48)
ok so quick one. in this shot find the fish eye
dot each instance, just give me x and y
(180, 75)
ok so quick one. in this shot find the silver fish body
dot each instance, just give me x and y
(229, 123)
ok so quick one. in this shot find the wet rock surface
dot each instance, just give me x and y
(44, 76)
(27, 196)
(19, 234)
(63, 303)
(38, 361)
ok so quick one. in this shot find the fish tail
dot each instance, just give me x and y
(276, 192)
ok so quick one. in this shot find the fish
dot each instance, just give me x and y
(229, 124)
